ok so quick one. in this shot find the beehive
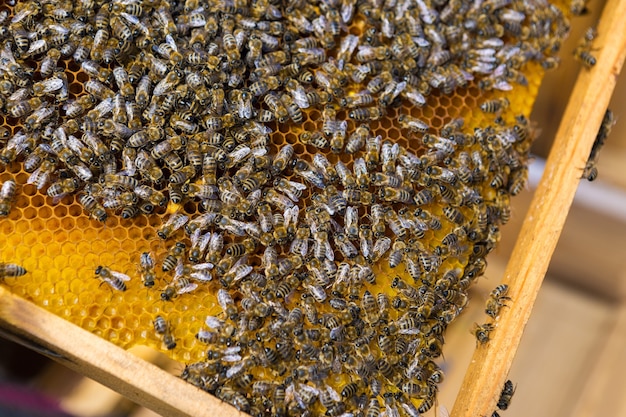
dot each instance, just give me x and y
(61, 247)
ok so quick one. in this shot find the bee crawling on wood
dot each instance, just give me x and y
(505, 396)
(482, 332)
(583, 51)
(496, 300)
(591, 171)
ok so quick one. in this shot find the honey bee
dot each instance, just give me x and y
(372, 152)
(62, 188)
(300, 244)
(92, 206)
(505, 396)
(216, 244)
(496, 300)
(146, 269)
(7, 194)
(179, 286)
(162, 327)
(579, 7)
(590, 171)
(116, 280)
(9, 270)
(495, 106)
(381, 246)
(174, 254)
(482, 332)
(366, 113)
(322, 248)
(282, 159)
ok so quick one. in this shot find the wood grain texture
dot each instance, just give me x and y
(88, 354)
(544, 221)
(603, 394)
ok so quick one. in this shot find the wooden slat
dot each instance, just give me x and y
(104, 362)
(603, 394)
(546, 217)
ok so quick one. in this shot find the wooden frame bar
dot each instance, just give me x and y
(96, 358)
(545, 219)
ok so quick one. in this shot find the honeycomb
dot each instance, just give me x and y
(61, 244)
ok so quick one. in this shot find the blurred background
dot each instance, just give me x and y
(571, 360)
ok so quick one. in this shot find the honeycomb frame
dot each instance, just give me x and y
(49, 230)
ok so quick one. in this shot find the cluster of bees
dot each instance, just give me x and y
(180, 103)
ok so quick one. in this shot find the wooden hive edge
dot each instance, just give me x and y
(544, 221)
(96, 358)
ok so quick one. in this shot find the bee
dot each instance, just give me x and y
(62, 188)
(579, 7)
(115, 279)
(216, 244)
(9, 270)
(372, 152)
(300, 244)
(396, 195)
(281, 159)
(373, 408)
(92, 206)
(482, 332)
(495, 106)
(294, 111)
(412, 123)
(146, 269)
(590, 171)
(366, 113)
(163, 328)
(505, 396)
(7, 194)
(178, 286)
(174, 253)
(496, 300)
(276, 106)
(123, 83)
(322, 248)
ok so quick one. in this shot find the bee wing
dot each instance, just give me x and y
(203, 266)
(360, 168)
(242, 261)
(239, 154)
(351, 216)
(224, 298)
(52, 84)
(231, 358)
(146, 260)
(179, 270)
(177, 220)
(502, 85)
(321, 162)
(213, 322)
(330, 253)
(259, 151)
(366, 247)
(415, 97)
(187, 288)
(382, 245)
(203, 275)
(291, 216)
(119, 275)
(38, 44)
(195, 237)
(170, 40)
